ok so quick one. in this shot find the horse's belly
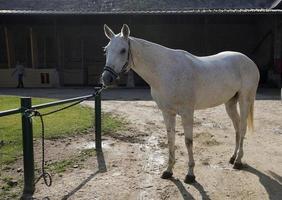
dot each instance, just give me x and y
(209, 101)
(214, 95)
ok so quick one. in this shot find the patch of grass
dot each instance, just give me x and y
(111, 122)
(85, 153)
(6, 180)
(60, 124)
(65, 123)
(63, 165)
(8, 190)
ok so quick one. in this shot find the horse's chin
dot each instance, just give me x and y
(105, 86)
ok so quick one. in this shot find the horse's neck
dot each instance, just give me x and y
(147, 59)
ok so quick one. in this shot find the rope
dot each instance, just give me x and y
(66, 107)
(45, 175)
(75, 103)
(35, 113)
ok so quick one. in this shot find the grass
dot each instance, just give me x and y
(7, 187)
(111, 122)
(74, 120)
(63, 165)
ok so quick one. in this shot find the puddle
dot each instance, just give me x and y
(154, 162)
(155, 156)
(91, 145)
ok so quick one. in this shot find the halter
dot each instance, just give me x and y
(112, 71)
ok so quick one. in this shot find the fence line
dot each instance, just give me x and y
(27, 131)
(10, 112)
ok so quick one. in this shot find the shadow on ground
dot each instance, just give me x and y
(185, 194)
(272, 184)
(101, 169)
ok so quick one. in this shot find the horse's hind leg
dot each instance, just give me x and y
(169, 119)
(187, 121)
(245, 103)
(231, 109)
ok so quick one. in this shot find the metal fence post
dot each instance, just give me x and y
(98, 135)
(28, 158)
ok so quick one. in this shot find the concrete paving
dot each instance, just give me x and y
(63, 93)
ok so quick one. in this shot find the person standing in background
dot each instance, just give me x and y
(19, 71)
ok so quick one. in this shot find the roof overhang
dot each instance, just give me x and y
(155, 12)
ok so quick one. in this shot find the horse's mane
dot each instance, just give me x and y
(148, 44)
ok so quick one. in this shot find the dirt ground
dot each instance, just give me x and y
(133, 160)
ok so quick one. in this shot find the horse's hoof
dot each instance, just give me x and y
(189, 179)
(166, 175)
(232, 160)
(237, 165)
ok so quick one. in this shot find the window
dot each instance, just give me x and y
(72, 52)
(21, 41)
(46, 51)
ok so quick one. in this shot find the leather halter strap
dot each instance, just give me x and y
(112, 71)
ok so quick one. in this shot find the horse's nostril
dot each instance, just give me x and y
(111, 79)
(107, 78)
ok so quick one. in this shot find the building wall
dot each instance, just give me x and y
(32, 78)
(73, 45)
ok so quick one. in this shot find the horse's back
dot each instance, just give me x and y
(238, 62)
(219, 77)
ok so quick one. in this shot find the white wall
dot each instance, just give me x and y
(32, 78)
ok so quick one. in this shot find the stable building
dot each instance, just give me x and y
(60, 42)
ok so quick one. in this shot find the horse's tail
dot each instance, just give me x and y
(251, 118)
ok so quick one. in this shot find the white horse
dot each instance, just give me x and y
(181, 83)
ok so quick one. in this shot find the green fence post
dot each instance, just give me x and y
(28, 158)
(98, 135)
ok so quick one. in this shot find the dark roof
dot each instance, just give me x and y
(135, 6)
(277, 4)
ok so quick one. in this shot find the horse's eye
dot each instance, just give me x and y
(122, 51)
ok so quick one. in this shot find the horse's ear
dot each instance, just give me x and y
(108, 32)
(125, 31)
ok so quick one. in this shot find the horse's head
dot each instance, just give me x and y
(117, 54)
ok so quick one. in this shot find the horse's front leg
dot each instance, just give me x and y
(187, 122)
(169, 119)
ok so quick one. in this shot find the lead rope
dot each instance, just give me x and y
(45, 175)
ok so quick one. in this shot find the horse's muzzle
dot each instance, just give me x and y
(108, 78)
